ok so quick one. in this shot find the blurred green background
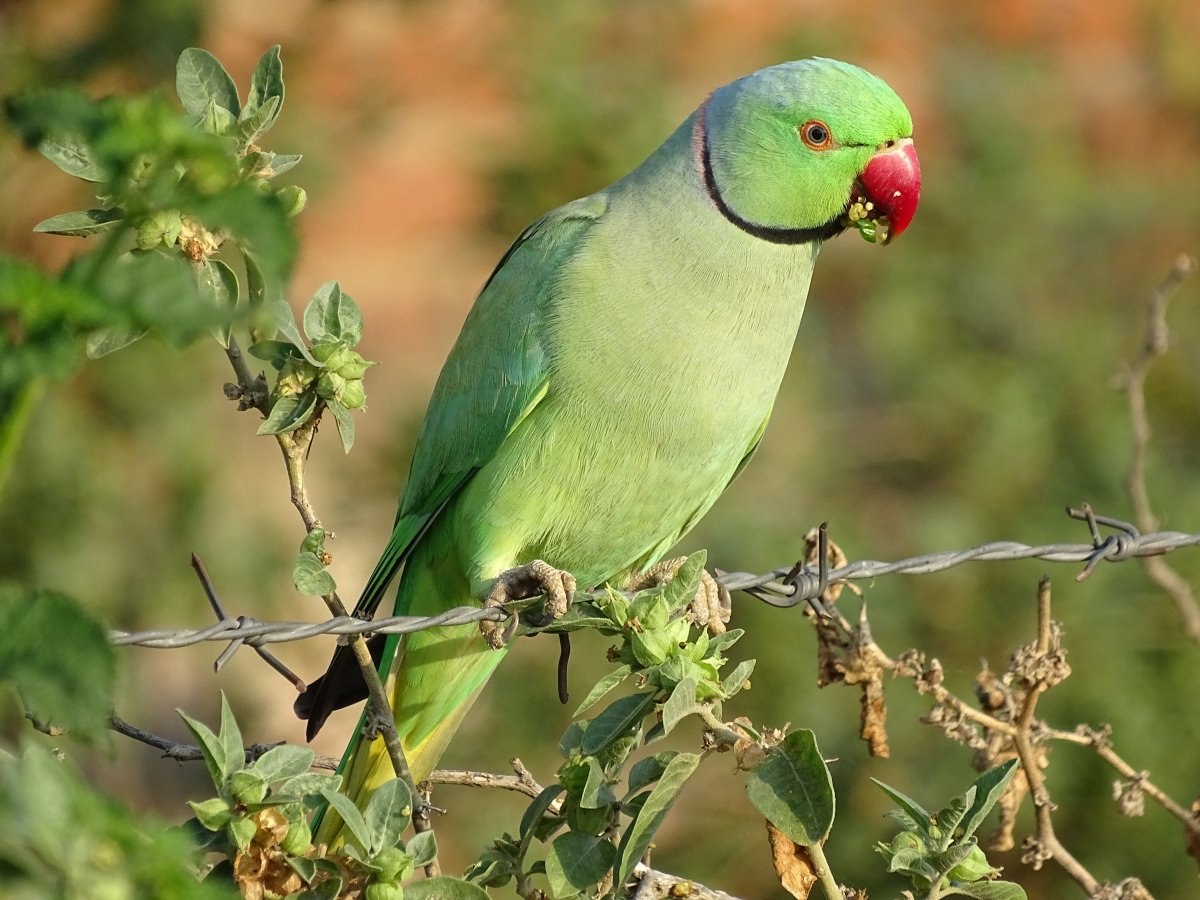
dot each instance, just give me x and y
(952, 389)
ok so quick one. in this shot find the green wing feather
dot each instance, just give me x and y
(495, 375)
(497, 371)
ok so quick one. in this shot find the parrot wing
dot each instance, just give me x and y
(495, 375)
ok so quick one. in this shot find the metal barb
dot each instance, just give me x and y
(236, 643)
(1123, 544)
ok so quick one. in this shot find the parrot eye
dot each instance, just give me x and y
(816, 135)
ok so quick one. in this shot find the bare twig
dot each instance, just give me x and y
(250, 391)
(1154, 345)
(1100, 741)
(1045, 845)
(190, 752)
(522, 782)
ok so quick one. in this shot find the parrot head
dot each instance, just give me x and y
(807, 149)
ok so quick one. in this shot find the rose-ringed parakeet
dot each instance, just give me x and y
(615, 374)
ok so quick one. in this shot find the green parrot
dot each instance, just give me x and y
(615, 374)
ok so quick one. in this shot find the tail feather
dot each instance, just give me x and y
(436, 677)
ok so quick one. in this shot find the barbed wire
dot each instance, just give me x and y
(782, 587)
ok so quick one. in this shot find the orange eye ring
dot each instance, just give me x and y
(816, 135)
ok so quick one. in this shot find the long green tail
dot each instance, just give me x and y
(434, 680)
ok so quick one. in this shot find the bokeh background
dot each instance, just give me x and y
(954, 388)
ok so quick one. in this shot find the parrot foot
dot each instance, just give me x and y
(525, 581)
(712, 604)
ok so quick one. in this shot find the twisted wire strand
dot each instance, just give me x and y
(804, 584)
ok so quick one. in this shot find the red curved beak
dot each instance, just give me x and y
(892, 182)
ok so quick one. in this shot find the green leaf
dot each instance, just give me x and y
(383, 890)
(200, 79)
(652, 609)
(586, 820)
(280, 163)
(308, 786)
(242, 830)
(393, 864)
(289, 413)
(81, 222)
(577, 862)
(333, 314)
(74, 156)
(989, 787)
(911, 807)
(617, 720)
(104, 341)
(680, 704)
(283, 762)
(602, 687)
(533, 817)
(219, 283)
(654, 645)
(422, 848)
(572, 738)
(247, 787)
(947, 819)
(615, 605)
(986, 890)
(314, 541)
(792, 788)
(640, 832)
(352, 818)
(230, 737)
(728, 639)
(538, 808)
(286, 323)
(905, 821)
(210, 748)
(344, 420)
(310, 576)
(948, 859)
(302, 866)
(737, 678)
(443, 888)
(255, 125)
(597, 793)
(266, 82)
(160, 229)
(387, 815)
(213, 814)
(277, 353)
(329, 889)
(63, 838)
(647, 771)
(58, 658)
(148, 289)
